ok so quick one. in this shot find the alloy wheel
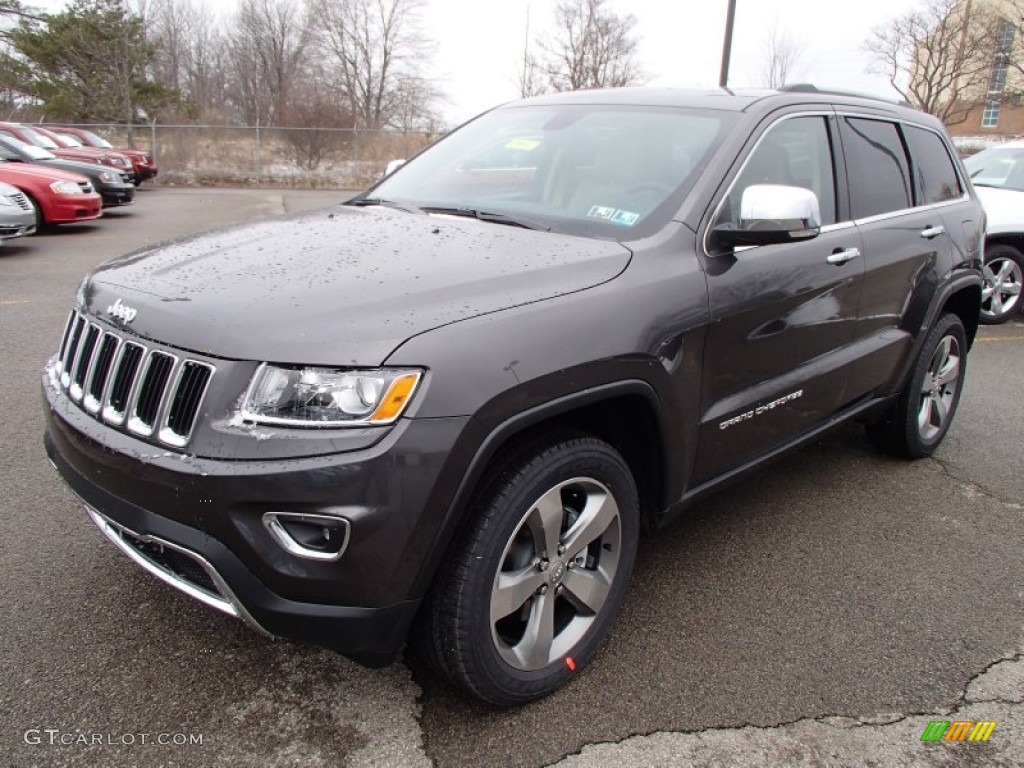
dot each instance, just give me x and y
(555, 573)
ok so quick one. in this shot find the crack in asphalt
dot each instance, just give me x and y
(971, 485)
(835, 721)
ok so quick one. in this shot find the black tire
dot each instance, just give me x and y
(1004, 274)
(916, 423)
(571, 483)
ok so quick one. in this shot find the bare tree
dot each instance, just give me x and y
(377, 54)
(783, 57)
(938, 57)
(191, 52)
(593, 47)
(267, 46)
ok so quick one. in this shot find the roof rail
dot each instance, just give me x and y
(812, 88)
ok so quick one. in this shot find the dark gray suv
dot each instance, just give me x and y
(445, 410)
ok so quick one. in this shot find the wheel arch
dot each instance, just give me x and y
(625, 414)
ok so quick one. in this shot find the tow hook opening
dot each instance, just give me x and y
(309, 536)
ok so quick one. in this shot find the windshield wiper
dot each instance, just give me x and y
(366, 201)
(497, 218)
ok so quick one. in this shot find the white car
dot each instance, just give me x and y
(998, 175)
(16, 215)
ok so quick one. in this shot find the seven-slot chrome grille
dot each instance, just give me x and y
(150, 392)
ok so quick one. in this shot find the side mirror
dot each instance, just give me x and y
(393, 166)
(771, 214)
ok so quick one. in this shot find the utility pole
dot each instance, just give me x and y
(723, 78)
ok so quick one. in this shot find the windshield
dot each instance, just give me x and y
(996, 167)
(603, 171)
(96, 141)
(38, 139)
(66, 141)
(33, 152)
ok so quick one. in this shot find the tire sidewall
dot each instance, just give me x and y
(916, 444)
(598, 461)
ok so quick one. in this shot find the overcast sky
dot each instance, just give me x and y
(480, 42)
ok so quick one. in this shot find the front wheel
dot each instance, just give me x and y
(915, 425)
(1003, 273)
(537, 578)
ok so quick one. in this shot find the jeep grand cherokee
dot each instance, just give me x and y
(445, 410)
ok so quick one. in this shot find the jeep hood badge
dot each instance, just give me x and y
(122, 312)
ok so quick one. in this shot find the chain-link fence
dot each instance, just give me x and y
(288, 157)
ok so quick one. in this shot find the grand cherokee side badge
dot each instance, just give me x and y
(122, 312)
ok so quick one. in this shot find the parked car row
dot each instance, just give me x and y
(84, 145)
(48, 177)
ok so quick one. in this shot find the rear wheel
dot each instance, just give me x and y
(1004, 273)
(915, 425)
(534, 583)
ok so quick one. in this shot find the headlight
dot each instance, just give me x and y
(109, 178)
(327, 397)
(66, 188)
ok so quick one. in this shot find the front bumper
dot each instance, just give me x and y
(16, 223)
(116, 195)
(65, 209)
(210, 513)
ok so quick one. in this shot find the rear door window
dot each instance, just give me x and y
(935, 176)
(877, 167)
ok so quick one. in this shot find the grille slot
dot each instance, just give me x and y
(84, 362)
(124, 377)
(101, 372)
(193, 379)
(149, 392)
(71, 350)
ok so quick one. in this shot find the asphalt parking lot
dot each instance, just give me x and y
(821, 612)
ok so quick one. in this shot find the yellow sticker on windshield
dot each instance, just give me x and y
(524, 144)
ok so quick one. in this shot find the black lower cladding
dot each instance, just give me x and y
(370, 636)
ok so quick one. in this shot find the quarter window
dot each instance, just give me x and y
(877, 166)
(934, 174)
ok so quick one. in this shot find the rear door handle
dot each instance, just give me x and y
(843, 256)
(931, 232)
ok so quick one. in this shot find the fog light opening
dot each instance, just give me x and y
(309, 536)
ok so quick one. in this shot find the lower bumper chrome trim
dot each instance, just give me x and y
(225, 601)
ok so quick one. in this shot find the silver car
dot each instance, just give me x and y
(17, 217)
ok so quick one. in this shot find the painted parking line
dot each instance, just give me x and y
(999, 338)
(15, 301)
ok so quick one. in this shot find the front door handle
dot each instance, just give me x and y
(843, 256)
(930, 232)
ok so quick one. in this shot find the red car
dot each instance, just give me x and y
(142, 161)
(39, 137)
(58, 197)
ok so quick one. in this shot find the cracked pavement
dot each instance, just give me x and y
(820, 612)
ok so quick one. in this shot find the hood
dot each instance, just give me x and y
(1004, 209)
(341, 286)
(21, 170)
